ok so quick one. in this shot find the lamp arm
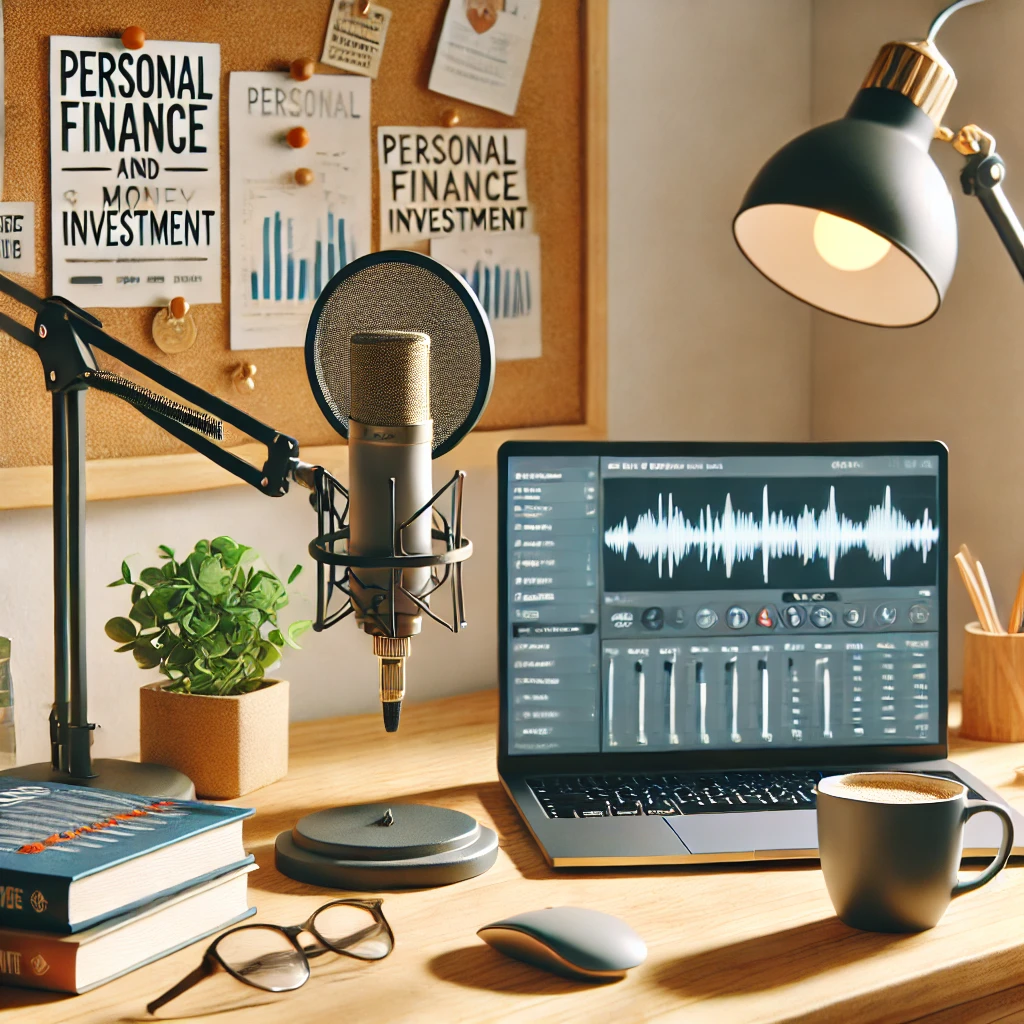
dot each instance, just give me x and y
(982, 176)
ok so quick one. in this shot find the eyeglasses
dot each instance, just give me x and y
(271, 957)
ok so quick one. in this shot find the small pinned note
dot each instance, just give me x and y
(355, 39)
(483, 51)
(18, 238)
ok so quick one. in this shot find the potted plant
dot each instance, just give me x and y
(209, 623)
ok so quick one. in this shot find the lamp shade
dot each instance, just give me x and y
(854, 217)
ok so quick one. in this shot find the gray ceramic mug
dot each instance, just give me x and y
(890, 845)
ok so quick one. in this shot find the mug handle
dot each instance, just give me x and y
(1005, 846)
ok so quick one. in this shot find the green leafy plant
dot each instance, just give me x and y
(209, 621)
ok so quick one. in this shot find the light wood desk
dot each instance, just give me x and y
(740, 944)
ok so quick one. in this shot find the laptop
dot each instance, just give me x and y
(692, 635)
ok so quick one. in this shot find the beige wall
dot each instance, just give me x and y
(700, 92)
(958, 377)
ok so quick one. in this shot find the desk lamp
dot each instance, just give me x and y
(854, 217)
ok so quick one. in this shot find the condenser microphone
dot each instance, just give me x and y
(400, 359)
(390, 434)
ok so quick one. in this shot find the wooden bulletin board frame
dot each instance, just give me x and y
(30, 486)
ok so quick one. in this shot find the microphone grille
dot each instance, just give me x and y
(390, 378)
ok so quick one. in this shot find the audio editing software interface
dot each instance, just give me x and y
(691, 603)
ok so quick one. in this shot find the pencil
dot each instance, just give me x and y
(986, 591)
(966, 552)
(1017, 612)
(973, 591)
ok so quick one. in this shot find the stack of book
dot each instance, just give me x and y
(94, 884)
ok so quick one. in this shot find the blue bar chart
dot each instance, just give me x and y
(287, 272)
(504, 272)
(505, 292)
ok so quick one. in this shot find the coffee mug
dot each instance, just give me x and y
(890, 845)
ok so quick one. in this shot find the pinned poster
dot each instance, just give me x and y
(18, 238)
(135, 171)
(289, 239)
(482, 53)
(444, 181)
(504, 271)
(354, 41)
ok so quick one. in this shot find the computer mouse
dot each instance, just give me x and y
(571, 941)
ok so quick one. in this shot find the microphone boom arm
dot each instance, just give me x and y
(64, 338)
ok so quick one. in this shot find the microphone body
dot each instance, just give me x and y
(390, 480)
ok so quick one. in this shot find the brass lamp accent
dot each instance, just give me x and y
(916, 70)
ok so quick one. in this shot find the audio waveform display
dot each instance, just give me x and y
(806, 545)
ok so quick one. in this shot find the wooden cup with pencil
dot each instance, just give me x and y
(993, 698)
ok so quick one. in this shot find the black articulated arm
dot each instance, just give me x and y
(983, 176)
(65, 338)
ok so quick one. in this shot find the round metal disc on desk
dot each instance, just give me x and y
(385, 846)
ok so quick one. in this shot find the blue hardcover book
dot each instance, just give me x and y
(71, 857)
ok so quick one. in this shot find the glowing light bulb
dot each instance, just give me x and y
(845, 245)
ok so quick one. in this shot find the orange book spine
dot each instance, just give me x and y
(32, 960)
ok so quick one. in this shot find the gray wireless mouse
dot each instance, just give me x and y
(570, 941)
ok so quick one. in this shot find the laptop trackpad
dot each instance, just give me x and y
(748, 831)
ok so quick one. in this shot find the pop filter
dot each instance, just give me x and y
(404, 291)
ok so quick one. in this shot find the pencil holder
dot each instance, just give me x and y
(993, 698)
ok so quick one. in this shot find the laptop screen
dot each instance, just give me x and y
(743, 598)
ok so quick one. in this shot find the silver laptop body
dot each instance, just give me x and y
(692, 634)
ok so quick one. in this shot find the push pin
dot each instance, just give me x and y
(302, 69)
(244, 378)
(450, 117)
(133, 38)
(297, 137)
(304, 176)
(174, 328)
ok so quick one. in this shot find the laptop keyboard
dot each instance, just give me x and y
(594, 796)
(591, 796)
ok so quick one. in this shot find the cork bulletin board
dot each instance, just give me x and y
(562, 107)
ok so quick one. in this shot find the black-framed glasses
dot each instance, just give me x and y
(272, 957)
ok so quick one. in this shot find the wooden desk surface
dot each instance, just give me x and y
(737, 944)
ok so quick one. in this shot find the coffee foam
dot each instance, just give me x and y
(890, 788)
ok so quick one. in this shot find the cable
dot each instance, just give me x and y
(943, 16)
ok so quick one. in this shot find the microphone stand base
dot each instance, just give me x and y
(371, 847)
(117, 776)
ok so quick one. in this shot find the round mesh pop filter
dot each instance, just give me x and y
(404, 291)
